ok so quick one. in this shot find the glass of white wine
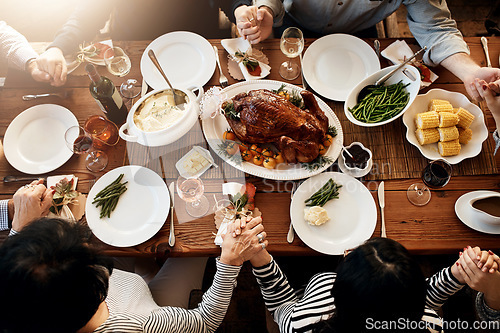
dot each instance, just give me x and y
(292, 44)
(191, 191)
(117, 61)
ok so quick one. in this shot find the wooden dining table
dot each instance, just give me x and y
(430, 229)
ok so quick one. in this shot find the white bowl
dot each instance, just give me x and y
(478, 127)
(356, 172)
(413, 89)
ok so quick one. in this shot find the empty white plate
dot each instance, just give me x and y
(334, 64)
(34, 141)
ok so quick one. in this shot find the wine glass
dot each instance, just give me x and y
(435, 175)
(291, 44)
(80, 142)
(103, 131)
(191, 191)
(117, 62)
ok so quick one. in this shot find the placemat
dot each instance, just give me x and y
(394, 157)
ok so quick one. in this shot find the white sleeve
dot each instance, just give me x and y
(15, 47)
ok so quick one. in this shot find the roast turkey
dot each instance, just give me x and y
(266, 117)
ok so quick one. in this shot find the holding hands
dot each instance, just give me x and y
(479, 269)
(30, 202)
(250, 240)
(52, 62)
(254, 24)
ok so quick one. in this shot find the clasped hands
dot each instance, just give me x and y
(245, 238)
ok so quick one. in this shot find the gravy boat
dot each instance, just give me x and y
(482, 215)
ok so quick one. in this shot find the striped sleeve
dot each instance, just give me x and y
(293, 314)
(123, 323)
(440, 287)
(4, 214)
(433, 321)
(209, 313)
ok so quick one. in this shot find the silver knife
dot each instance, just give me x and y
(304, 85)
(381, 202)
(291, 233)
(171, 237)
(484, 41)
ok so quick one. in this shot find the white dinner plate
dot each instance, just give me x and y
(214, 128)
(187, 59)
(478, 127)
(141, 211)
(334, 64)
(353, 216)
(465, 214)
(34, 141)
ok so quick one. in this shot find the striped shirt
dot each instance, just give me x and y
(14, 47)
(132, 308)
(300, 313)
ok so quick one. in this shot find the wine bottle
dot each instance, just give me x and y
(107, 96)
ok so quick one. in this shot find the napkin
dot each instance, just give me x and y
(231, 188)
(239, 44)
(399, 51)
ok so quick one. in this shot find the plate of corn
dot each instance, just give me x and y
(445, 125)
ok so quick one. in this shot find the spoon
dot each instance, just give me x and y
(179, 96)
(367, 89)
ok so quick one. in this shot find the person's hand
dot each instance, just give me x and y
(36, 73)
(483, 260)
(254, 24)
(486, 74)
(30, 202)
(490, 92)
(485, 282)
(237, 250)
(239, 224)
(52, 62)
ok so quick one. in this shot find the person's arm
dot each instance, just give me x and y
(441, 286)
(15, 47)
(431, 24)
(211, 311)
(290, 312)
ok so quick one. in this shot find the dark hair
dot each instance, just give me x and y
(51, 279)
(377, 280)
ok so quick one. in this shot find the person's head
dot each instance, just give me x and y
(52, 280)
(377, 280)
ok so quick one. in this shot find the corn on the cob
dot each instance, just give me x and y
(449, 148)
(447, 119)
(427, 120)
(448, 133)
(465, 118)
(425, 136)
(464, 135)
(455, 110)
(440, 105)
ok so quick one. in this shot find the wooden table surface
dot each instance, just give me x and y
(432, 229)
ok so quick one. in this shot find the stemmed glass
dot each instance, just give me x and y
(435, 175)
(80, 142)
(118, 63)
(292, 44)
(191, 191)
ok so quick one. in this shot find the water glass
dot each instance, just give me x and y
(191, 191)
(117, 62)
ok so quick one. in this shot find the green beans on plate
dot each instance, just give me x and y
(382, 103)
(108, 197)
(329, 191)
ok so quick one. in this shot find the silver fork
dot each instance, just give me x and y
(291, 233)
(222, 79)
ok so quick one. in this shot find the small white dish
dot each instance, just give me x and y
(478, 126)
(412, 88)
(356, 172)
(482, 215)
(470, 217)
(204, 153)
(239, 44)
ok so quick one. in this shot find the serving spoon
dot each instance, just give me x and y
(367, 89)
(179, 96)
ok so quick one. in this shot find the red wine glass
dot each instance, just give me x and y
(435, 175)
(80, 142)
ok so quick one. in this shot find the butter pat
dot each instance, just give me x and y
(195, 162)
(316, 215)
